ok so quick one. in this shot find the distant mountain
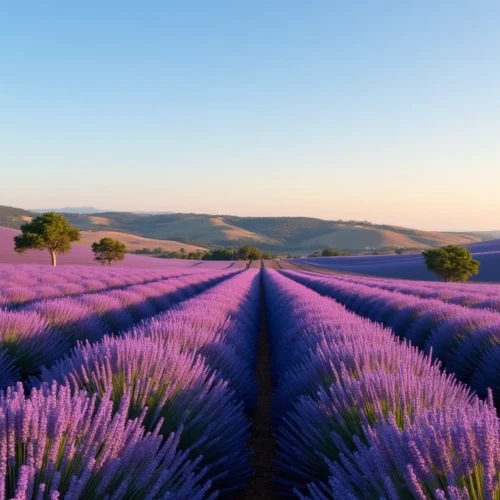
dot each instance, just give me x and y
(145, 212)
(14, 217)
(88, 211)
(70, 210)
(298, 235)
(488, 235)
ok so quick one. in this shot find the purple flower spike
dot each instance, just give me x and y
(55, 444)
(29, 340)
(348, 389)
(449, 453)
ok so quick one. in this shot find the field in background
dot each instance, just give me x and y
(409, 266)
(82, 255)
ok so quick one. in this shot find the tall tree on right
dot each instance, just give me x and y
(452, 263)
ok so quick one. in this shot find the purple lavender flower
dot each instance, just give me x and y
(316, 426)
(487, 374)
(158, 366)
(135, 304)
(92, 285)
(109, 309)
(70, 317)
(467, 356)
(29, 340)
(449, 453)
(490, 303)
(55, 444)
(17, 295)
(447, 330)
(448, 336)
(338, 376)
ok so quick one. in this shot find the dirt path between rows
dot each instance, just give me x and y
(260, 485)
(271, 264)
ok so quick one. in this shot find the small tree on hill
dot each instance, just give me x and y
(108, 250)
(49, 231)
(452, 263)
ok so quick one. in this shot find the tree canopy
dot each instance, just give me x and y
(332, 252)
(243, 253)
(164, 254)
(50, 231)
(452, 263)
(108, 250)
(329, 252)
(248, 252)
(220, 254)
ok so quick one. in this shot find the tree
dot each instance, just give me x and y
(220, 254)
(198, 255)
(331, 252)
(49, 231)
(248, 252)
(267, 256)
(315, 254)
(452, 263)
(108, 250)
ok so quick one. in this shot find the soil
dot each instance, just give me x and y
(260, 486)
(271, 264)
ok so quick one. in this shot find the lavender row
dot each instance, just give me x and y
(478, 296)
(188, 371)
(23, 287)
(466, 341)
(44, 331)
(361, 415)
(32, 275)
(58, 444)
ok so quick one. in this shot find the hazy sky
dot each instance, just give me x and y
(381, 110)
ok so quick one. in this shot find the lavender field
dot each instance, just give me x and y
(167, 167)
(148, 382)
(411, 266)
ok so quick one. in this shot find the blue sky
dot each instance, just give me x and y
(385, 110)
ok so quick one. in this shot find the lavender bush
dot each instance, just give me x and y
(450, 453)
(183, 369)
(346, 381)
(443, 329)
(54, 444)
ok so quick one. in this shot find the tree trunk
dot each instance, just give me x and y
(53, 257)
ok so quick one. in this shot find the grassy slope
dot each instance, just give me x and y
(133, 242)
(279, 234)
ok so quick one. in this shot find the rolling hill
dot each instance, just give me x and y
(133, 242)
(278, 234)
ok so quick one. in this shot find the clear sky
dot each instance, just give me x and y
(380, 110)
